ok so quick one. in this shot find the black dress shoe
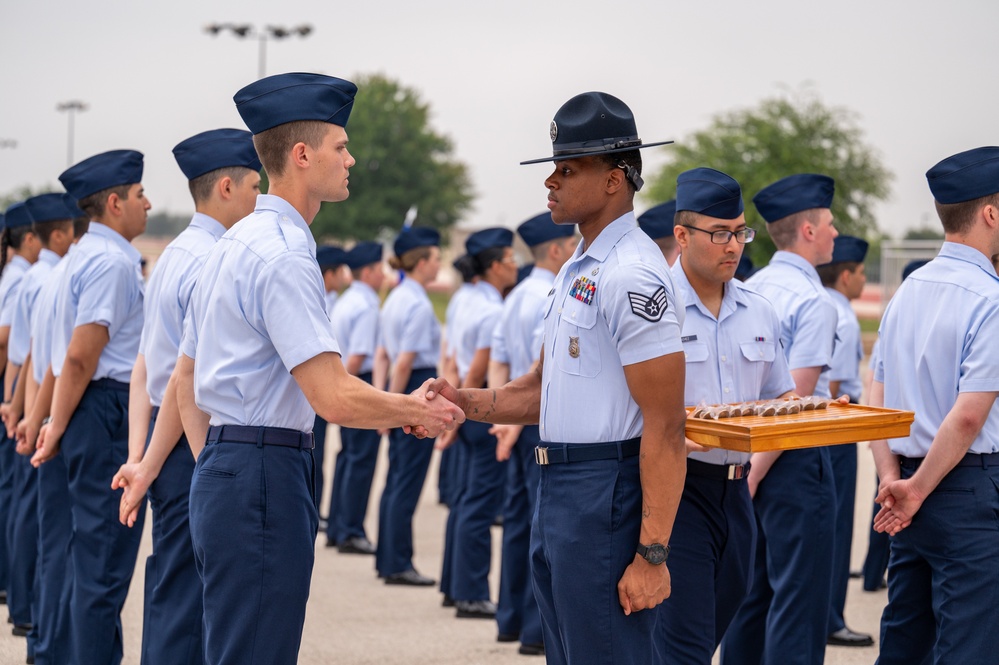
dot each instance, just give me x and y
(330, 542)
(856, 574)
(30, 660)
(409, 578)
(356, 545)
(21, 629)
(532, 649)
(448, 601)
(844, 637)
(507, 637)
(475, 609)
(3, 597)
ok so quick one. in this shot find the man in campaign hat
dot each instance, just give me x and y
(258, 361)
(657, 222)
(223, 174)
(783, 620)
(95, 339)
(612, 446)
(938, 485)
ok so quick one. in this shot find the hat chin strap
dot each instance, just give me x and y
(632, 174)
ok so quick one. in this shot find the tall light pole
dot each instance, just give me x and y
(245, 30)
(71, 107)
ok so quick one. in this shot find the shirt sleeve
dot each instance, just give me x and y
(845, 363)
(417, 334)
(814, 334)
(289, 294)
(778, 379)
(498, 350)
(108, 289)
(979, 369)
(643, 313)
(487, 326)
(364, 333)
(189, 340)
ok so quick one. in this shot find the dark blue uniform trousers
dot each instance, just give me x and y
(55, 572)
(518, 612)
(172, 611)
(943, 584)
(409, 459)
(480, 502)
(445, 476)
(319, 455)
(784, 619)
(7, 459)
(103, 551)
(354, 472)
(24, 544)
(254, 523)
(585, 530)
(844, 470)
(457, 474)
(710, 562)
(878, 546)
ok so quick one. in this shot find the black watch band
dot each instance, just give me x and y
(656, 553)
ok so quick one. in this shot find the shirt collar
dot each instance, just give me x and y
(607, 239)
(961, 252)
(837, 296)
(49, 257)
(103, 231)
(364, 289)
(209, 224)
(271, 203)
(798, 262)
(489, 291)
(542, 274)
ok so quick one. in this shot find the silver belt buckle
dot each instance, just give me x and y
(541, 455)
(735, 471)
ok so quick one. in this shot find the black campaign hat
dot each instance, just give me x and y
(593, 123)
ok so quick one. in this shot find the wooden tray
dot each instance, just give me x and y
(839, 423)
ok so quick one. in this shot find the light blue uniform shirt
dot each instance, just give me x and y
(518, 337)
(474, 323)
(939, 335)
(167, 298)
(331, 299)
(408, 324)
(632, 315)
(103, 285)
(734, 358)
(849, 351)
(43, 320)
(807, 313)
(355, 323)
(19, 343)
(257, 312)
(453, 306)
(13, 272)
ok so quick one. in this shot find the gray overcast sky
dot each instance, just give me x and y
(919, 74)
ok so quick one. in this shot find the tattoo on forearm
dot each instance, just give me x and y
(646, 511)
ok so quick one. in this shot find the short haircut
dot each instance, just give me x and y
(830, 272)
(95, 204)
(273, 144)
(409, 259)
(784, 232)
(685, 218)
(44, 230)
(80, 226)
(959, 217)
(202, 186)
(631, 158)
(486, 258)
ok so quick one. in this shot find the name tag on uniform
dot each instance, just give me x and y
(689, 338)
(583, 290)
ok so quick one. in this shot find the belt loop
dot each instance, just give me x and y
(620, 451)
(301, 440)
(260, 437)
(565, 452)
(985, 462)
(213, 434)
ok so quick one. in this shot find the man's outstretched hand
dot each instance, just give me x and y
(440, 415)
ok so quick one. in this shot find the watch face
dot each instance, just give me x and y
(655, 553)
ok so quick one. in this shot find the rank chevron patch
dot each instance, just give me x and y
(650, 308)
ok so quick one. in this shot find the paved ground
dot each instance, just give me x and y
(353, 618)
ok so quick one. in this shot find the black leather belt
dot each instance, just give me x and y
(562, 453)
(261, 436)
(110, 384)
(717, 471)
(970, 459)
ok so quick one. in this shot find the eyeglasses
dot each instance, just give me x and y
(742, 236)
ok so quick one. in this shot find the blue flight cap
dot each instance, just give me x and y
(363, 254)
(849, 248)
(541, 228)
(657, 221)
(216, 149)
(485, 239)
(329, 256)
(593, 123)
(414, 237)
(913, 266)
(709, 192)
(284, 98)
(794, 193)
(745, 269)
(71, 205)
(3, 224)
(48, 208)
(965, 176)
(103, 171)
(17, 215)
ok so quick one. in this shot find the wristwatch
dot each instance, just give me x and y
(656, 553)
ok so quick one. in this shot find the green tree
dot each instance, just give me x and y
(780, 137)
(401, 162)
(23, 192)
(924, 233)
